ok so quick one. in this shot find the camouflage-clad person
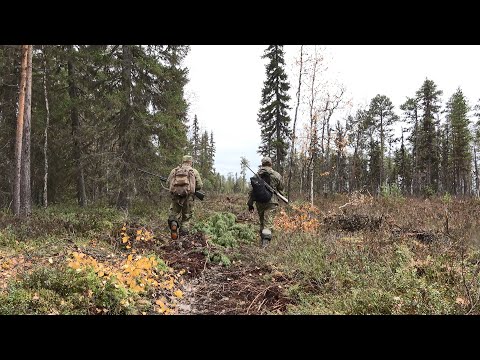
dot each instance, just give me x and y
(267, 210)
(183, 181)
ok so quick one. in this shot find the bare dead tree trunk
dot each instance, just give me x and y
(322, 142)
(382, 147)
(476, 170)
(324, 123)
(355, 176)
(277, 119)
(331, 105)
(19, 133)
(311, 165)
(326, 162)
(313, 124)
(26, 190)
(311, 185)
(75, 117)
(292, 148)
(301, 181)
(47, 123)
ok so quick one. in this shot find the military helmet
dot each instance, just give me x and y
(187, 158)
(266, 161)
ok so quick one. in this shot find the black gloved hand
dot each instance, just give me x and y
(250, 208)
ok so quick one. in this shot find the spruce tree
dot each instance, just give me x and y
(9, 86)
(273, 117)
(429, 103)
(457, 110)
(195, 140)
(171, 104)
(477, 124)
(446, 183)
(403, 166)
(411, 116)
(204, 155)
(211, 155)
(125, 106)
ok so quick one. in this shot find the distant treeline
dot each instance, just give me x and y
(436, 153)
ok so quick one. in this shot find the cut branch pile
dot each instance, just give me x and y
(354, 222)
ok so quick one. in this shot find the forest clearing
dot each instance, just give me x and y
(373, 256)
(119, 195)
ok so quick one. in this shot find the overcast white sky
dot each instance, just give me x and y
(226, 82)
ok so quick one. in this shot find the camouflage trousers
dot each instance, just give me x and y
(266, 212)
(181, 210)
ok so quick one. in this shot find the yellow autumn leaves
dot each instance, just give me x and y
(302, 218)
(135, 235)
(138, 274)
(163, 307)
(7, 264)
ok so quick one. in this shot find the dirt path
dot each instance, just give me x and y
(244, 287)
(214, 289)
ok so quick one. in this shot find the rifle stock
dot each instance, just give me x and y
(282, 197)
(200, 195)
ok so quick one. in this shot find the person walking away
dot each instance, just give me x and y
(266, 208)
(183, 181)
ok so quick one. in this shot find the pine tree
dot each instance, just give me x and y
(382, 119)
(26, 193)
(47, 123)
(273, 117)
(357, 136)
(17, 206)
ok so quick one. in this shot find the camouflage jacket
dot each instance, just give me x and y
(276, 182)
(198, 179)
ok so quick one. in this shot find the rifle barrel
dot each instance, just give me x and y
(149, 173)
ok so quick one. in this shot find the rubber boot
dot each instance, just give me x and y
(266, 237)
(174, 230)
